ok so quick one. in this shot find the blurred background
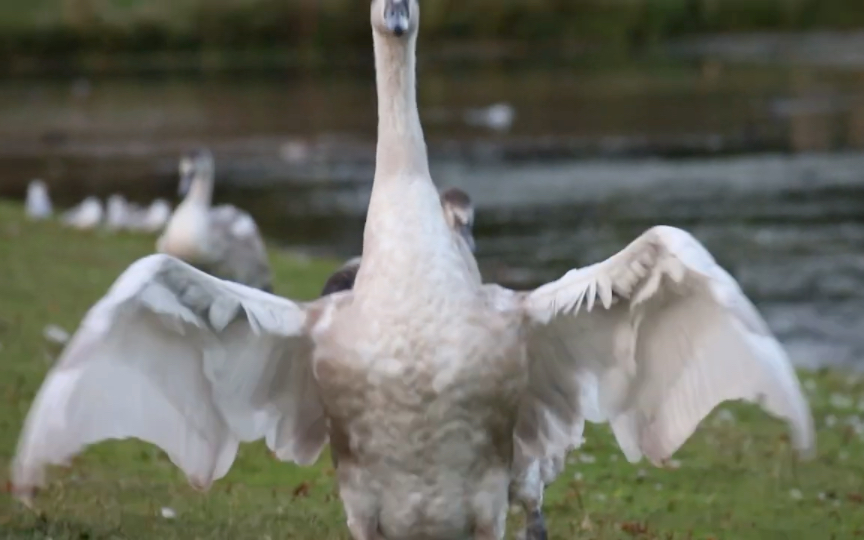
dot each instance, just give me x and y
(573, 124)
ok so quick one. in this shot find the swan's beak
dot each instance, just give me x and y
(187, 173)
(467, 234)
(397, 16)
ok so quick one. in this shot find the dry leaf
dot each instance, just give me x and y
(302, 490)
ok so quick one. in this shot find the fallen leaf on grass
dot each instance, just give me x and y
(302, 490)
(634, 527)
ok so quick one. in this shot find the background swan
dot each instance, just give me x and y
(87, 215)
(459, 213)
(118, 213)
(38, 203)
(125, 215)
(223, 241)
(155, 217)
(432, 388)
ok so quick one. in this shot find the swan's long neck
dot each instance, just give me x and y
(201, 190)
(401, 147)
(408, 249)
(187, 234)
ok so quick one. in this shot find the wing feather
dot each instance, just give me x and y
(188, 362)
(671, 336)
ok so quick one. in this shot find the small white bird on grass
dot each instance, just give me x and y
(87, 215)
(155, 217)
(38, 204)
(123, 215)
(118, 213)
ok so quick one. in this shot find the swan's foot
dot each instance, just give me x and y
(535, 526)
(526, 489)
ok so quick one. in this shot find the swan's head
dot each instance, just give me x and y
(459, 213)
(197, 165)
(396, 17)
(37, 188)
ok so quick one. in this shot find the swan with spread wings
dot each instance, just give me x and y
(434, 390)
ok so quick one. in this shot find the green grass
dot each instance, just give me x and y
(737, 478)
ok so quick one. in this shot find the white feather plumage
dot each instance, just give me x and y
(670, 337)
(180, 359)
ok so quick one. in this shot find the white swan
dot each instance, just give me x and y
(223, 241)
(87, 215)
(154, 218)
(434, 390)
(118, 213)
(38, 203)
(459, 213)
(125, 215)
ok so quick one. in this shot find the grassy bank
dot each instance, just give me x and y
(63, 28)
(736, 478)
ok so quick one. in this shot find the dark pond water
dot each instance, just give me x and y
(763, 163)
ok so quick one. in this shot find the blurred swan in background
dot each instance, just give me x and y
(38, 203)
(128, 216)
(87, 215)
(223, 241)
(118, 213)
(155, 217)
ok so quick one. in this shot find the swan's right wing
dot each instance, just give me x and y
(188, 362)
(651, 340)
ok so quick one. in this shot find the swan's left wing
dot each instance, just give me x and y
(650, 340)
(185, 361)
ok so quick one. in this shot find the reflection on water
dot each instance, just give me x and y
(593, 157)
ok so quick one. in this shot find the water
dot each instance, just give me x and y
(762, 163)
